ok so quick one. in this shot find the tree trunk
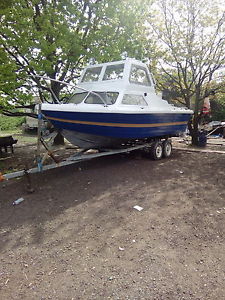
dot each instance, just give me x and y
(194, 133)
(195, 122)
(59, 139)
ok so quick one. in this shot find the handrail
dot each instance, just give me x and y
(73, 85)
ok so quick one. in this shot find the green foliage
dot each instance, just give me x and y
(55, 38)
(190, 39)
(9, 123)
(219, 115)
(218, 103)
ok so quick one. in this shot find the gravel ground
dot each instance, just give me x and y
(79, 237)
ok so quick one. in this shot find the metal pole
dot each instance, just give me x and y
(38, 155)
(222, 126)
(73, 85)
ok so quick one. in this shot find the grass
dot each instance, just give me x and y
(10, 132)
(10, 123)
(20, 136)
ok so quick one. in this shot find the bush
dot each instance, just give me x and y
(218, 110)
(218, 115)
(9, 123)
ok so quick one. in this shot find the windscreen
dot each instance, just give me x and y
(108, 98)
(139, 75)
(77, 98)
(114, 72)
(91, 74)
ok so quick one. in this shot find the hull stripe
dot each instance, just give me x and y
(117, 124)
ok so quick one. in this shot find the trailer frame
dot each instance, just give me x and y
(76, 158)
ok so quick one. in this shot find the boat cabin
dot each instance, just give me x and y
(129, 70)
(125, 82)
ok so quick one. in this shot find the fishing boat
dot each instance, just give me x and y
(116, 103)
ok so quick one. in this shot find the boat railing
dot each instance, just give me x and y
(72, 85)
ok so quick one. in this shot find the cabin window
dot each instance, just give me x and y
(114, 72)
(92, 74)
(139, 75)
(108, 98)
(134, 100)
(77, 98)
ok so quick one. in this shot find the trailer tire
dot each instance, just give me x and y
(167, 148)
(156, 151)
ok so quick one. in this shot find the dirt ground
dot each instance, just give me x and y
(79, 237)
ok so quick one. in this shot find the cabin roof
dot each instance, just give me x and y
(103, 75)
(128, 60)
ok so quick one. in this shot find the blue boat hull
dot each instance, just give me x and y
(95, 130)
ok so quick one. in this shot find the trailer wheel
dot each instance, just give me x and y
(156, 150)
(167, 148)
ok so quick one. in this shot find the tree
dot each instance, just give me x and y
(218, 103)
(191, 47)
(55, 38)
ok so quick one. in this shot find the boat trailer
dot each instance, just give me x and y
(156, 148)
(78, 157)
